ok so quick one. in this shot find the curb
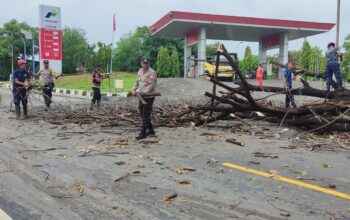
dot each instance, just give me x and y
(84, 93)
(77, 93)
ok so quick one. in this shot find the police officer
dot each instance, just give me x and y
(333, 66)
(21, 83)
(96, 86)
(47, 76)
(146, 83)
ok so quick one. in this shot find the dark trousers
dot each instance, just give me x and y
(96, 96)
(145, 113)
(20, 96)
(289, 98)
(47, 93)
(333, 68)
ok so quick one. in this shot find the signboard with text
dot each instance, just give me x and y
(50, 36)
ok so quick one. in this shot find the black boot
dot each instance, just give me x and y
(340, 87)
(18, 112)
(25, 111)
(151, 132)
(142, 135)
(92, 104)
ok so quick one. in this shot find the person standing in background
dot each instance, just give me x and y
(47, 76)
(260, 75)
(96, 86)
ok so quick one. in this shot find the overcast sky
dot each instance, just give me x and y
(95, 17)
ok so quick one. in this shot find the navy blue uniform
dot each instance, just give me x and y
(333, 67)
(20, 93)
(288, 73)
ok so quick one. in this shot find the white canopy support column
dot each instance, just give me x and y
(187, 58)
(201, 50)
(283, 53)
(262, 52)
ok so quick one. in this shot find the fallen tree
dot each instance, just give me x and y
(332, 113)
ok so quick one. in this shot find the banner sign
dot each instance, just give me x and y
(50, 36)
(192, 36)
(271, 41)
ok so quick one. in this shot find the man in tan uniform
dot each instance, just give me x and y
(146, 83)
(47, 76)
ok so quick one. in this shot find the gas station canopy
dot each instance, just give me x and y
(196, 28)
(222, 27)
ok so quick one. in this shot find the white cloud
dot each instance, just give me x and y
(96, 16)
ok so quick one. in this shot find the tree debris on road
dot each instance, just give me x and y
(234, 141)
(266, 155)
(170, 197)
(184, 170)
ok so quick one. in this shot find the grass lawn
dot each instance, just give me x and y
(83, 82)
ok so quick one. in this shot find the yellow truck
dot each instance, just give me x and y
(225, 70)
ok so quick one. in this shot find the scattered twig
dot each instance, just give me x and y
(261, 154)
(170, 197)
(234, 141)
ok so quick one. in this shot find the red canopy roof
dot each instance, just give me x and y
(225, 27)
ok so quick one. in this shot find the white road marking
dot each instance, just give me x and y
(4, 216)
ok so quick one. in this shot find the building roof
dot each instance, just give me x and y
(223, 27)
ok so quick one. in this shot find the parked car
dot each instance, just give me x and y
(225, 70)
(250, 74)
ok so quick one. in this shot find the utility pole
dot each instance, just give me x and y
(338, 23)
(33, 60)
(12, 69)
(25, 50)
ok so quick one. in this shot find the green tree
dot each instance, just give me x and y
(131, 48)
(211, 49)
(103, 56)
(128, 53)
(323, 64)
(315, 60)
(256, 61)
(175, 64)
(305, 55)
(294, 57)
(163, 63)
(10, 35)
(75, 49)
(346, 58)
(248, 63)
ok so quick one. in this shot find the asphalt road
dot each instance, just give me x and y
(59, 172)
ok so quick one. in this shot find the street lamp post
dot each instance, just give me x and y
(33, 60)
(238, 44)
(12, 68)
(24, 45)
